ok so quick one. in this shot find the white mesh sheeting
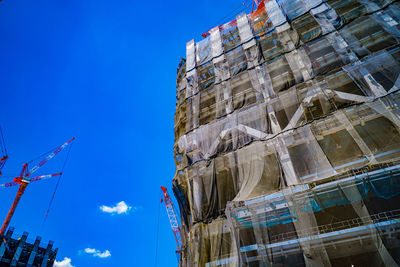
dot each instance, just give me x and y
(203, 51)
(216, 45)
(245, 32)
(258, 171)
(210, 245)
(314, 103)
(376, 75)
(275, 13)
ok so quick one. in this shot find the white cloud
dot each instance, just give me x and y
(98, 253)
(104, 254)
(66, 262)
(90, 250)
(119, 208)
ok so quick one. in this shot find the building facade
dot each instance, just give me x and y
(287, 137)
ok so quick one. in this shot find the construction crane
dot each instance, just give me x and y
(174, 222)
(23, 180)
(3, 151)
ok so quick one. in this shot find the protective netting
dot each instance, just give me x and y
(210, 245)
(287, 137)
(304, 226)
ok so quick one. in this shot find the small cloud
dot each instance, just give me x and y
(119, 208)
(90, 250)
(104, 254)
(98, 253)
(66, 262)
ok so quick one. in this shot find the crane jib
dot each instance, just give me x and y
(55, 152)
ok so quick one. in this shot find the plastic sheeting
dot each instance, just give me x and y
(300, 104)
(358, 137)
(278, 112)
(210, 245)
(277, 228)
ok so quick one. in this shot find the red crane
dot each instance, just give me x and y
(172, 219)
(23, 180)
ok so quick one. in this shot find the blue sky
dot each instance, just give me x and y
(104, 72)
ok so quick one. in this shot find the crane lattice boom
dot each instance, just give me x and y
(172, 219)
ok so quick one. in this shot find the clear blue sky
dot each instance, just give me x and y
(103, 71)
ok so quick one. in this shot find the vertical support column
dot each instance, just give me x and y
(341, 116)
(245, 32)
(219, 101)
(33, 252)
(220, 66)
(263, 257)
(352, 192)
(261, 81)
(222, 74)
(227, 96)
(358, 71)
(300, 71)
(47, 254)
(313, 256)
(388, 23)
(4, 241)
(19, 249)
(276, 15)
(279, 142)
(386, 110)
(190, 194)
(191, 74)
(326, 17)
(195, 111)
(197, 196)
(53, 257)
(255, 83)
(247, 39)
(252, 52)
(192, 112)
(285, 160)
(234, 233)
(370, 5)
(341, 47)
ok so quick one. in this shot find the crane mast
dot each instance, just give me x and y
(173, 220)
(20, 192)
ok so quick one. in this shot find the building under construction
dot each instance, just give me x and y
(20, 252)
(287, 137)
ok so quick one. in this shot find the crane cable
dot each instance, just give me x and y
(58, 182)
(158, 231)
(42, 155)
(239, 9)
(3, 144)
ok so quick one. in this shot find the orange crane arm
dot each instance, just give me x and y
(20, 192)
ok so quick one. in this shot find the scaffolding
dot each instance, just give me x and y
(287, 137)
